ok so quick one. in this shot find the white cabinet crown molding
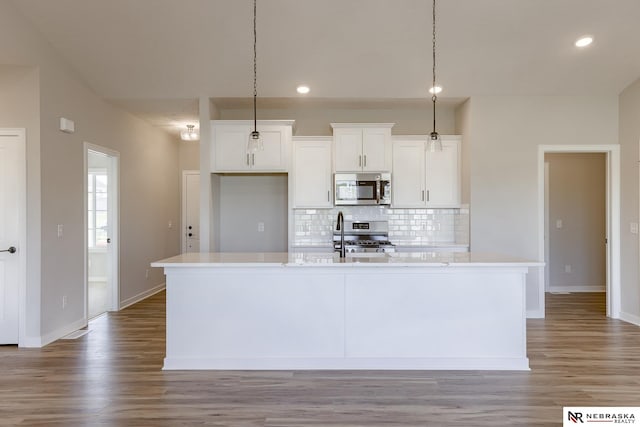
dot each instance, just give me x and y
(362, 125)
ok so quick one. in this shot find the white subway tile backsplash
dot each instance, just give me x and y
(417, 227)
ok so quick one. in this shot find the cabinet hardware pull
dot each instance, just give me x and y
(427, 195)
(328, 196)
(365, 160)
(247, 159)
(359, 161)
(423, 195)
(253, 159)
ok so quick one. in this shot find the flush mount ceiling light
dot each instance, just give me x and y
(435, 142)
(435, 90)
(255, 142)
(584, 41)
(302, 89)
(190, 134)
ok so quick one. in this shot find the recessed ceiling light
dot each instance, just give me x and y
(435, 90)
(584, 41)
(303, 89)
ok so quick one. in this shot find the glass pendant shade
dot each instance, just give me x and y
(255, 142)
(435, 142)
(191, 134)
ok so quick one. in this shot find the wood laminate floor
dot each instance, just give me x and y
(112, 376)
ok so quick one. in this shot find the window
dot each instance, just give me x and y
(97, 208)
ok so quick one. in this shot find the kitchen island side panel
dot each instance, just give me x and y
(356, 317)
(254, 313)
(466, 314)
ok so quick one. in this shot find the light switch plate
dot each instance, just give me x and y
(558, 223)
(634, 228)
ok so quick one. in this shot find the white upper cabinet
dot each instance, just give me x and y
(229, 148)
(362, 147)
(443, 174)
(312, 178)
(423, 179)
(408, 176)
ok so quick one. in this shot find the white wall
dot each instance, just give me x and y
(149, 191)
(316, 121)
(506, 133)
(629, 139)
(245, 201)
(463, 124)
(577, 198)
(189, 155)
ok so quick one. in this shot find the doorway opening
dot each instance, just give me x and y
(575, 218)
(579, 221)
(101, 231)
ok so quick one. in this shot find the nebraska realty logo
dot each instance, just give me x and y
(604, 416)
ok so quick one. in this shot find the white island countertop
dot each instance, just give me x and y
(331, 259)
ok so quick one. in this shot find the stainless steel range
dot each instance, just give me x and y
(364, 236)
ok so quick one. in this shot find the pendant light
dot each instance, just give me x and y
(435, 142)
(191, 134)
(255, 141)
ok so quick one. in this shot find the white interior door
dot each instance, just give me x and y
(102, 231)
(12, 193)
(191, 211)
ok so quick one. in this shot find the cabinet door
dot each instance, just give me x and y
(443, 176)
(408, 176)
(348, 150)
(272, 157)
(374, 145)
(312, 174)
(230, 153)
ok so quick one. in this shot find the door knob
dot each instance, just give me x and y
(11, 250)
(190, 234)
(108, 239)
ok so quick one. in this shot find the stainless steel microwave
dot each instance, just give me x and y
(362, 188)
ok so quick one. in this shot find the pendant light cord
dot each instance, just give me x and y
(255, 69)
(434, 97)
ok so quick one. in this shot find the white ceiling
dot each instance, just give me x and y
(152, 56)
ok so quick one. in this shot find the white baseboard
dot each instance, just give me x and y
(142, 295)
(60, 332)
(630, 318)
(535, 314)
(565, 288)
(349, 363)
(30, 342)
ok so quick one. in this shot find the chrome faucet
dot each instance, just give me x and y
(340, 227)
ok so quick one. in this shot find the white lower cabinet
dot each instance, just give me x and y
(423, 179)
(312, 181)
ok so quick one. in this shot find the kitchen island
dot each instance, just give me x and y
(440, 310)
